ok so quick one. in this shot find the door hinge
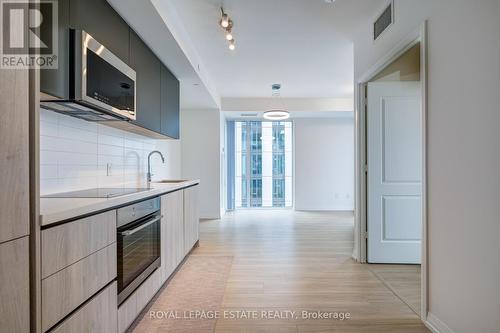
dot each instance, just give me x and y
(366, 168)
(365, 235)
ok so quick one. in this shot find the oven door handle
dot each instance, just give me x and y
(142, 226)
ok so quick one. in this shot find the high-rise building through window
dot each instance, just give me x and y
(263, 165)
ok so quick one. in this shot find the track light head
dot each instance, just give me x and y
(224, 21)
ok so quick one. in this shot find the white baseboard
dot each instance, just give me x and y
(436, 325)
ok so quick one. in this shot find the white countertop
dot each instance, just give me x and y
(53, 210)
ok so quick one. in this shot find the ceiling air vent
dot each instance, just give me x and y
(249, 114)
(383, 21)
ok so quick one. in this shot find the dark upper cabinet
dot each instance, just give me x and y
(101, 21)
(157, 88)
(97, 18)
(148, 84)
(55, 82)
(169, 104)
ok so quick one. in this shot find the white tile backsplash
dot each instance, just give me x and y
(74, 155)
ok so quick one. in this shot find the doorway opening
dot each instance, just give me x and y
(394, 176)
(391, 176)
(394, 160)
(262, 164)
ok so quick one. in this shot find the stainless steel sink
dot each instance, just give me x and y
(171, 181)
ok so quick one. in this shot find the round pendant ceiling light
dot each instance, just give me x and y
(276, 115)
(280, 113)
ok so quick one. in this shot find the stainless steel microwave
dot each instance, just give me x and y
(101, 86)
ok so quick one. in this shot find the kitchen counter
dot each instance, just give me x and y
(53, 210)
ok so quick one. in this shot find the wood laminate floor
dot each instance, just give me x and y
(288, 262)
(403, 280)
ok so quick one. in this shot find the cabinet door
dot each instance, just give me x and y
(148, 78)
(14, 286)
(14, 154)
(101, 21)
(55, 82)
(172, 233)
(170, 104)
(191, 218)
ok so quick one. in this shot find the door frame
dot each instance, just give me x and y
(360, 250)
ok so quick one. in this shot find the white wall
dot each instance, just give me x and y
(223, 164)
(324, 164)
(74, 154)
(200, 151)
(463, 154)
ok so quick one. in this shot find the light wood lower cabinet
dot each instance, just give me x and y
(97, 315)
(65, 244)
(79, 258)
(135, 303)
(179, 228)
(14, 286)
(67, 289)
(191, 218)
(172, 233)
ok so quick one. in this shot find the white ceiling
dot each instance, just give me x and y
(169, 44)
(303, 44)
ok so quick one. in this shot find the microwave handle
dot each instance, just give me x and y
(142, 226)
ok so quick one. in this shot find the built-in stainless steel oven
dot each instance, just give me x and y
(138, 244)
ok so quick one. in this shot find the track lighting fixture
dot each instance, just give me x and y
(227, 24)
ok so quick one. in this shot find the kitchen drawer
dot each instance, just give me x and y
(97, 315)
(67, 289)
(65, 244)
(132, 307)
(148, 289)
(127, 312)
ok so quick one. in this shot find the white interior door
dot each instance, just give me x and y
(394, 154)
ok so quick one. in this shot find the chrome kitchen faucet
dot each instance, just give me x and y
(149, 164)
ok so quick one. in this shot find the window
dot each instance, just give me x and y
(278, 164)
(243, 193)
(263, 172)
(279, 192)
(256, 193)
(278, 137)
(256, 166)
